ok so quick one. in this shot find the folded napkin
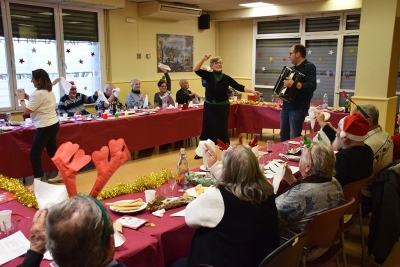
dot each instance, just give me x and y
(171, 107)
(163, 66)
(146, 101)
(66, 86)
(178, 214)
(102, 97)
(191, 104)
(311, 114)
(47, 194)
(278, 170)
(116, 92)
(119, 239)
(200, 150)
(159, 213)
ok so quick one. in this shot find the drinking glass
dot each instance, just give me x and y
(273, 98)
(261, 162)
(8, 117)
(270, 146)
(172, 183)
(2, 123)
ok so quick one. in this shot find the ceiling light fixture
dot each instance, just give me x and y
(256, 4)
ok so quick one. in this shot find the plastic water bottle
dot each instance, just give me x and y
(183, 169)
(325, 101)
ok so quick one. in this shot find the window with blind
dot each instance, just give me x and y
(331, 44)
(39, 34)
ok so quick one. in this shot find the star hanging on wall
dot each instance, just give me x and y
(21, 60)
(284, 59)
(259, 54)
(318, 80)
(347, 76)
(309, 52)
(320, 58)
(271, 59)
(265, 83)
(48, 62)
(330, 52)
(33, 50)
(331, 74)
(85, 88)
(68, 51)
(81, 61)
(92, 54)
(263, 68)
(351, 51)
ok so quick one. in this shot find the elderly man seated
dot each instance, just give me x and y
(381, 144)
(184, 95)
(396, 142)
(135, 98)
(314, 192)
(110, 94)
(355, 159)
(73, 102)
(81, 217)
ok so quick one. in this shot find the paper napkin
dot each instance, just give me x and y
(146, 101)
(191, 104)
(159, 213)
(200, 150)
(66, 86)
(102, 97)
(116, 92)
(47, 194)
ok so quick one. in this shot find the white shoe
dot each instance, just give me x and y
(56, 180)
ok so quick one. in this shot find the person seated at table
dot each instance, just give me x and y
(109, 90)
(236, 221)
(382, 146)
(184, 95)
(81, 217)
(164, 94)
(317, 190)
(73, 103)
(135, 98)
(354, 159)
(396, 142)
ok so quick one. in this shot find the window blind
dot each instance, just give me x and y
(278, 26)
(323, 24)
(80, 26)
(353, 22)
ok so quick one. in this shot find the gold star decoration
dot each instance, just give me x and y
(351, 51)
(48, 62)
(320, 58)
(271, 59)
(85, 88)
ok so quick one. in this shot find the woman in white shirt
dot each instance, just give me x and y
(41, 108)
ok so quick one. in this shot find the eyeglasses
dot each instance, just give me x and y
(290, 53)
(163, 86)
(219, 62)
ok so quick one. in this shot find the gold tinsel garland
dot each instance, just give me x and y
(28, 198)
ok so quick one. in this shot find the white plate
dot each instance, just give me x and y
(87, 119)
(203, 168)
(293, 143)
(192, 191)
(129, 211)
(7, 128)
(326, 117)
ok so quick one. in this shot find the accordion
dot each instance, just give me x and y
(284, 93)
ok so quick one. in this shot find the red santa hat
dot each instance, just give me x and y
(71, 82)
(354, 127)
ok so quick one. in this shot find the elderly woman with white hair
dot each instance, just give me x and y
(135, 98)
(317, 190)
(216, 105)
(236, 221)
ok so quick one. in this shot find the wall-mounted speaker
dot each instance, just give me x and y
(204, 22)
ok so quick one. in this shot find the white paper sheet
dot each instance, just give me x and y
(47, 194)
(201, 148)
(13, 246)
(146, 101)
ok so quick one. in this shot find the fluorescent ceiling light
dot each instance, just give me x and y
(21, 17)
(46, 13)
(74, 22)
(26, 25)
(256, 4)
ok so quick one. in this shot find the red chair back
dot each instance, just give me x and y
(323, 230)
(354, 190)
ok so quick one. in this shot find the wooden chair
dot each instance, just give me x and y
(288, 254)
(324, 232)
(353, 190)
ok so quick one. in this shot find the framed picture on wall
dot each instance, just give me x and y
(175, 51)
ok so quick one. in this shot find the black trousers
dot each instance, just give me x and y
(215, 122)
(44, 138)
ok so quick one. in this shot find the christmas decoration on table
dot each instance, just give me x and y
(33, 50)
(92, 54)
(68, 51)
(21, 60)
(222, 146)
(271, 59)
(254, 103)
(15, 186)
(49, 62)
(346, 96)
(80, 61)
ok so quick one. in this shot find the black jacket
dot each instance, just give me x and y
(384, 227)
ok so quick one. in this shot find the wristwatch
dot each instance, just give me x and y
(23, 100)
